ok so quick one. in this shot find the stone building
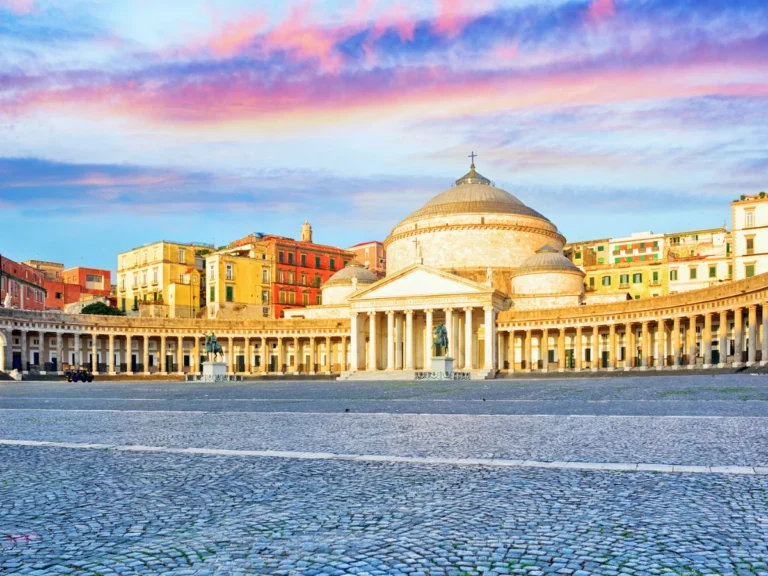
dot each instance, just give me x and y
(475, 259)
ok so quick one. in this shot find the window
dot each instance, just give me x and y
(317, 280)
(317, 261)
(135, 281)
(265, 296)
(280, 257)
(303, 259)
(291, 278)
(212, 272)
(713, 271)
(749, 219)
(750, 245)
(616, 260)
(601, 248)
(728, 248)
(290, 257)
(692, 274)
(749, 270)
(213, 294)
(230, 272)
(143, 278)
(280, 276)
(655, 276)
(135, 302)
(577, 255)
(637, 296)
(282, 297)
(305, 299)
(60, 296)
(592, 282)
(122, 304)
(333, 264)
(292, 298)
(230, 293)
(182, 256)
(318, 298)
(642, 245)
(144, 257)
(600, 260)
(606, 280)
(265, 275)
(154, 276)
(122, 283)
(730, 271)
(673, 275)
(637, 278)
(265, 313)
(624, 279)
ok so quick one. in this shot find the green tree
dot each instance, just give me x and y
(102, 309)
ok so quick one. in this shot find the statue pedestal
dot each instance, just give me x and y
(443, 365)
(214, 371)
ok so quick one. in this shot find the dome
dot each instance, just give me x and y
(473, 193)
(353, 270)
(547, 259)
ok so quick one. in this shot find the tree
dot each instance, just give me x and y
(102, 309)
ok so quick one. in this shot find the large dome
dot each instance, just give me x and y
(354, 270)
(472, 194)
(547, 259)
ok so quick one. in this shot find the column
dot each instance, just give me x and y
(355, 334)
(593, 348)
(230, 355)
(752, 344)
(372, 344)
(163, 367)
(764, 338)
(60, 360)
(398, 341)
(692, 341)
(311, 354)
(561, 350)
(490, 335)
(468, 340)
(180, 354)
(629, 331)
(722, 337)
(527, 356)
(94, 355)
(146, 354)
(344, 361)
(644, 344)
(661, 343)
(451, 352)
(128, 355)
(577, 350)
(707, 337)
(328, 355)
(544, 350)
(611, 346)
(500, 349)
(428, 339)
(279, 366)
(111, 357)
(76, 336)
(511, 350)
(390, 340)
(264, 355)
(409, 340)
(676, 342)
(194, 363)
(295, 355)
(738, 336)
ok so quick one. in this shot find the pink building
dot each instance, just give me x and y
(23, 283)
(372, 255)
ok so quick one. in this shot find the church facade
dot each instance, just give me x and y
(475, 259)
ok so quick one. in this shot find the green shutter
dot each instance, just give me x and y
(230, 293)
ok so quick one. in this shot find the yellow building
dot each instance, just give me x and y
(164, 279)
(239, 282)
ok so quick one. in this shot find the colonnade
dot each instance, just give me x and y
(735, 337)
(147, 353)
(403, 339)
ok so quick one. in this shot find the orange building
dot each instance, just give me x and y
(372, 255)
(69, 286)
(21, 286)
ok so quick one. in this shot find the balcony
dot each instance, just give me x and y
(624, 285)
(654, 283)
(750, 251)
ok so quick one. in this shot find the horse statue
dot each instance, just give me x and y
(212, 346)
(441, 340)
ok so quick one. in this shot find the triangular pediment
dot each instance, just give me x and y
(420, 280)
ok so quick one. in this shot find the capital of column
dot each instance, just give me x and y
(446, 310)
(390, 312)
(409, 313)
(468, 309)
(372, 313)
(488, 308)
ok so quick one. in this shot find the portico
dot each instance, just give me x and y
(392, 322)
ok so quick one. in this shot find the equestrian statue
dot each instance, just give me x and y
(212, 347)
(441, 340)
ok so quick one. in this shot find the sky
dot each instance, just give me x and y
(124, 122)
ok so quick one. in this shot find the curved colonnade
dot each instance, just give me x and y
(714, 327)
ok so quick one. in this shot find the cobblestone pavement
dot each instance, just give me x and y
(704, 441)
(97, 511)
(672, 394)
(75, 512)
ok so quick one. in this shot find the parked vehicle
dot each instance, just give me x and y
(77, 373)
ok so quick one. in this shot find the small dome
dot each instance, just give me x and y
(547, 259)
(473, 193)
(352, 270)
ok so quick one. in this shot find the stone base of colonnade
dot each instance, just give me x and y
(406, 375)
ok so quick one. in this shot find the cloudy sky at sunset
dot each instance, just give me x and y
(128, 121)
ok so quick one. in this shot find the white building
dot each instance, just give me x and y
(750, 235)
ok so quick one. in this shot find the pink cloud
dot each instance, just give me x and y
(235, 36)
(19, 6)
(397, 18)
(452, 15)
(601, 9)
